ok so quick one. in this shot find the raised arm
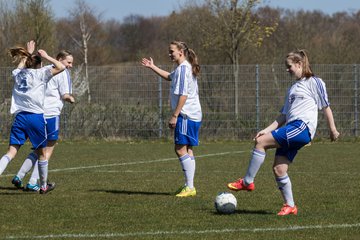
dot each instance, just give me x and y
(58, 66)
(334, 134)
(149, 63)
(30, 46)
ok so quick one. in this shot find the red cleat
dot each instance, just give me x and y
(240, 185)
(287, 210)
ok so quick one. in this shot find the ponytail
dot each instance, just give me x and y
(194, 62)
(19, 53)
(190, 56)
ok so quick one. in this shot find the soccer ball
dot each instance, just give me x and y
(225, 203)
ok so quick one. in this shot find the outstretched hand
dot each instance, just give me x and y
(147, 62)
(30, 46)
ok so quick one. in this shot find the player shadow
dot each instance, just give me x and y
(9, 188)
(259, 212)
(126, 192)
(243, 211)
(11, 191)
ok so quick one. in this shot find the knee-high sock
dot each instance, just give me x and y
(257, 159)
(28, 163)
(4, 161)
(285, 188)
(43, 172)
(34, 175)
(188, 166)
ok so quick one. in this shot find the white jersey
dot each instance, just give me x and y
(58, 85)
(303, 100)
(184, 83)
(29, 90)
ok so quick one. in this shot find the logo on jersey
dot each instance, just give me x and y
(21, 82)
(293, 97)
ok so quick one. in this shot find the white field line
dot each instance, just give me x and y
(188, 232)
(134, 163)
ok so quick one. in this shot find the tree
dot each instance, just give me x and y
(5, 29)
(85, 22)
(23, 20)
(234, 28)
(34, 21)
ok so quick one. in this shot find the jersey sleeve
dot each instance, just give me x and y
(180, 78)
(320, 92)
(65, 85)
(285, 107)
(15, 72)
(45, 74)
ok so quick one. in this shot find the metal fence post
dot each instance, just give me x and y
(257, 79)
(356, 96)
(160, 108)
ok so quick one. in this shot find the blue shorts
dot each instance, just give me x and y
(52, 128)
(28, 125)
(291, 138)
(186, 132)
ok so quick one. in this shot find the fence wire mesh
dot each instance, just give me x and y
(131, 102)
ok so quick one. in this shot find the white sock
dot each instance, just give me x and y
(284, 185)
(193, 162)
(188, 166)
(4, 161)
(28, 163)
(43, 172)
(34, 175)
(257, 159)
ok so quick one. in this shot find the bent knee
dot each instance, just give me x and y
(280, 170)
(263, 142)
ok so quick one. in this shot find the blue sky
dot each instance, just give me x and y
(118, 9)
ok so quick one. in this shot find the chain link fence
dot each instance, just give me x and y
(131, 102)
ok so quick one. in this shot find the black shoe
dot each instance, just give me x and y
(49, 187)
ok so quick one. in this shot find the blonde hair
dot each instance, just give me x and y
(190, 56)
(301, 56)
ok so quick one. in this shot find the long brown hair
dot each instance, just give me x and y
(190, 56)
(301, 56)
(18, 53)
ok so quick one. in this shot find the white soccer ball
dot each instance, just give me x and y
(225, 203)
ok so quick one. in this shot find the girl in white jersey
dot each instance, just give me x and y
(186, 110)
(27, 105)
(293, 128)
(58, 89)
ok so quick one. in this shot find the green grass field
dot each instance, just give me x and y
(117, 190)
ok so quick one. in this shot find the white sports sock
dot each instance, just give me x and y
(28, 163)
(43, 172)
(257, 159)
(4, 161)
(285, 188)
(34, 175)
(193, 167)
(188, 166)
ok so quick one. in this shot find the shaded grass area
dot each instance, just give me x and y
(123, 190)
